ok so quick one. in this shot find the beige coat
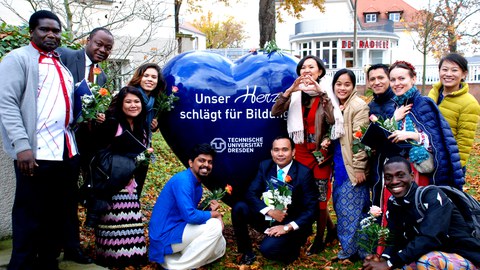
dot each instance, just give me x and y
(355, 114)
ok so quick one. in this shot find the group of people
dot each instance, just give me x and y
(324, 115)
(438, 131)
(316, 157)
(40, 134)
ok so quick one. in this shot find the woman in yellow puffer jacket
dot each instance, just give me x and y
(457, 105)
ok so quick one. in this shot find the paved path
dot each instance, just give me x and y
(6, 251)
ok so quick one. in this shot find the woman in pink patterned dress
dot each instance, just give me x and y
(120, 232)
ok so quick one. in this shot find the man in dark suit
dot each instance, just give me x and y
(289, 230)
(83, 64)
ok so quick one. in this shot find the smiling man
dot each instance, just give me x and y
(37, 96)
(82, 64)
(383, 106)
(182, 236)
(285, 231)
(441, 238)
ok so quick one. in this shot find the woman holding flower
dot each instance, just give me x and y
(149, 79)
(310, 114)
(122, 222)
(350, 190)
(434, 154)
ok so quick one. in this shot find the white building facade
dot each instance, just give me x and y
(381, 37)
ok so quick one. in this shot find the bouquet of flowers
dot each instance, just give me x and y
(145, 158)
(389, 124)
(372, 234)
(94, 104)
(279, 194)
(216, 194)
(165, 103)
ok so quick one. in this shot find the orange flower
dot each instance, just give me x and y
(288, 179)
(228, 189)
(358, 134)
(103, 92)
(97, 70)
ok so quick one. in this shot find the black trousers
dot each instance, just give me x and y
(285, 248)
(39, 210)
(71, 231)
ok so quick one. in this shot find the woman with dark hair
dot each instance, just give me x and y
(350, 189)
(120, 239)
(457, 105)
(434, 152)
(310, 114)
(148, 78)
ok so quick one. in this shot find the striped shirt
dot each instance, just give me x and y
(54, 110)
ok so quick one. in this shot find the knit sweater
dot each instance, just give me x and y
(19, 74)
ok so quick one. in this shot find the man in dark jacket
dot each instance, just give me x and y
(442, 236)
(383, 106)
(285, 232)
(83, 64)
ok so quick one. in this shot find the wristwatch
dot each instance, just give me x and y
(286, 228)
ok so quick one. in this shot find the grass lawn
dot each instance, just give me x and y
(167, 165)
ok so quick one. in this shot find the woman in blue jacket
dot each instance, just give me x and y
(434, 153)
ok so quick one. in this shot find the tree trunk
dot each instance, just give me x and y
(178, 4)
(267, 21)
(69, 16)
(452, 42)
(424, 69)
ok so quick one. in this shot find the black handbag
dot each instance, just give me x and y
(109, 173)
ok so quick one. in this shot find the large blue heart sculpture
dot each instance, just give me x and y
(227, 105)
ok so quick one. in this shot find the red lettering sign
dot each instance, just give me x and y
(366, 44)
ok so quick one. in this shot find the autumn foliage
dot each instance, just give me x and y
(160, 172)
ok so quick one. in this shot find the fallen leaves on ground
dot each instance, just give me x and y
(161, 171)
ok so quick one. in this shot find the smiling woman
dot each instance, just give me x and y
(122, 220)
(350, 190)
(420, 122)
(149, 79)
(307, 101)
(456, 104)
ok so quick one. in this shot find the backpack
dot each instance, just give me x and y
(466, 204)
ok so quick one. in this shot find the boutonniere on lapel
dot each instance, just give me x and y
(288, 179)
(97, 70)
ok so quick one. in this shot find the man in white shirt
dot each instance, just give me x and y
(37, 111)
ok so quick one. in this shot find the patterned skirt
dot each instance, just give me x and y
(350, 203)
(120, 235)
